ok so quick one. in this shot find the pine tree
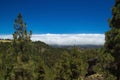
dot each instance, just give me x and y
(112, 44)
(62, 68)
(21, 38)
(21, 67)
(21, 29)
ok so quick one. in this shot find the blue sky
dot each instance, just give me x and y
(57, 16)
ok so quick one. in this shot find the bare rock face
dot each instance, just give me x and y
(95, 77)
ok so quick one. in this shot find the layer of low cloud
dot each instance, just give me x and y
(6, 37)
(66, 39)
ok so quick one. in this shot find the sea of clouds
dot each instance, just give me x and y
(66, 39)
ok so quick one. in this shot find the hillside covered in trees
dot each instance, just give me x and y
(22, 59)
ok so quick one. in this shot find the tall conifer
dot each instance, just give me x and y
(112, 37)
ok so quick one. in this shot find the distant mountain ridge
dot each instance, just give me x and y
(80, 46)
(61, 46)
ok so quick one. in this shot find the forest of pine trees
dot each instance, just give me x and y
(22, 59)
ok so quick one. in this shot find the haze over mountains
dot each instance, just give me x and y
(66, 39)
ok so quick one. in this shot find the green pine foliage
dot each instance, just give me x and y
(112, 44)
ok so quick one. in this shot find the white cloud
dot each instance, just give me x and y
(66, 39)
(70, 39)
(5, 36)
